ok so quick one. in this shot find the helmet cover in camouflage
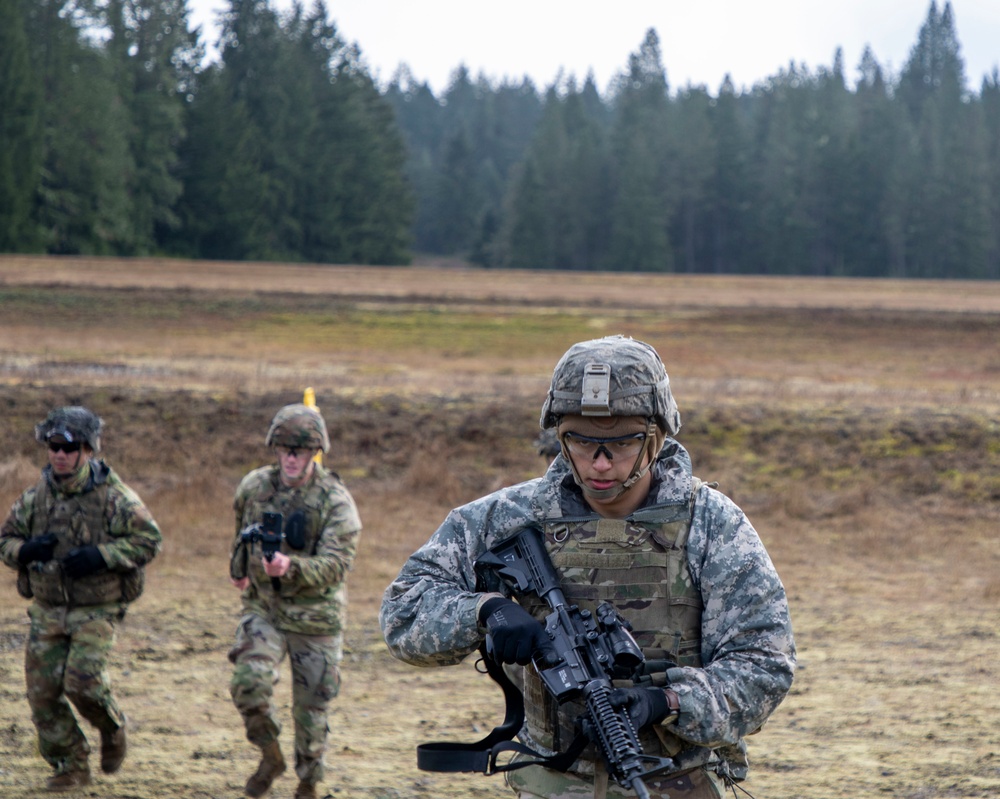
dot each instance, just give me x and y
(73, 423)
(611, 376)
(298, 426)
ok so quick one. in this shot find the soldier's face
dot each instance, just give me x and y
(295, 464)
(601, 472)
(65, 456)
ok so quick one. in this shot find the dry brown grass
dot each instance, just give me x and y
(856, 422)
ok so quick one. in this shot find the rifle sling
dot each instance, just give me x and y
(481, 756)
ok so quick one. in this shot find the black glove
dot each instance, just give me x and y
(81, 561)
(39, 549)
(645, 706)
(515, 635)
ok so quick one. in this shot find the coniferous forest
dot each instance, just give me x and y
(119, 137)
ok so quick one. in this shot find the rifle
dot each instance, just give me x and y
(589, 653)
(268, 533)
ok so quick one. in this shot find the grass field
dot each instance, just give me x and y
(857, 423)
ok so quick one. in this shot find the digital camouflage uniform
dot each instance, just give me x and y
(687, 568)
(73, 622)
(304, 619)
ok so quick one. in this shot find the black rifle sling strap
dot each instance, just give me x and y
(481, 756)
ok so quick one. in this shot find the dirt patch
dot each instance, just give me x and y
(892, 578)
(856, 423)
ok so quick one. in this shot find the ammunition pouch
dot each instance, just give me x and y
(24, 582)
(133, 582)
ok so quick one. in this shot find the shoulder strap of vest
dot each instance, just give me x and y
(696, 485)
(40, 511)
(481, 756)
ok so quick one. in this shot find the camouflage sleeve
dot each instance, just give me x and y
(16, 527)
(136, 536)
(238, 550)
(428, 613)
(337, 544)
(747, 647)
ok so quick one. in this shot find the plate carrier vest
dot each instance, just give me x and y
(76, 520)
(639, 565)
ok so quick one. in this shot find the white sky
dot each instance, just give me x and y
(701, 40)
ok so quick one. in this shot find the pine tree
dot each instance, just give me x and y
(154, 57)
(562, 187)
(221, 177)
(873, 203)
(730, 205)
(828, 189)
(369, 179)
(946, 223)
(643, 199)
(82, 199)
(419, 118)
(695, 157)
(782, 226)
(20, 127)
(990, 102)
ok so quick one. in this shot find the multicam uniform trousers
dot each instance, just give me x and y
(314, 659)
(535, 782)
(66, 660)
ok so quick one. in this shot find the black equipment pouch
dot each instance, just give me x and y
(295, 530)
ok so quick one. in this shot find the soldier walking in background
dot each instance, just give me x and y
(548, 446)
(79, 539)
(294, 599)
(624, 521)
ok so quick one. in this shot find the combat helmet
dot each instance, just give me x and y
(74, 423)
(611, 376)
(298, 426)
(612, 384)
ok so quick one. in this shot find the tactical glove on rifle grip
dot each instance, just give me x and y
(515, 634)
(645, 705)
(39, 549)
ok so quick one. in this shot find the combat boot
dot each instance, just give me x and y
(272, 766)
(113, 747)
(306, 790)
(68, 780)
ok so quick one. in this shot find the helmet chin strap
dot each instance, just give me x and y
(635, 475)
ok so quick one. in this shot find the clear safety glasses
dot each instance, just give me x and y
(625, 447)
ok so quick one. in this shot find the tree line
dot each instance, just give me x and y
(119, 139)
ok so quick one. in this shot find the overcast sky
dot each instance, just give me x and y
(701, 40)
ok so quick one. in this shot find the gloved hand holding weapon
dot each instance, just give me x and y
(576, 655)
(267, 533)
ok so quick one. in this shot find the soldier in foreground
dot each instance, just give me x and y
(624, 521)
(79, 539)
(294, 594)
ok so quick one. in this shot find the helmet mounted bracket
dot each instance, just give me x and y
(595, 399)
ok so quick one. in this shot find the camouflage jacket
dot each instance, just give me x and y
(313, 592)
(429, 613)
(129, 540)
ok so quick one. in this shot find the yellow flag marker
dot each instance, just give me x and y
(309, 400)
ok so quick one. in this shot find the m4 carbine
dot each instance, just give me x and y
(589, 651)
(267, 533)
